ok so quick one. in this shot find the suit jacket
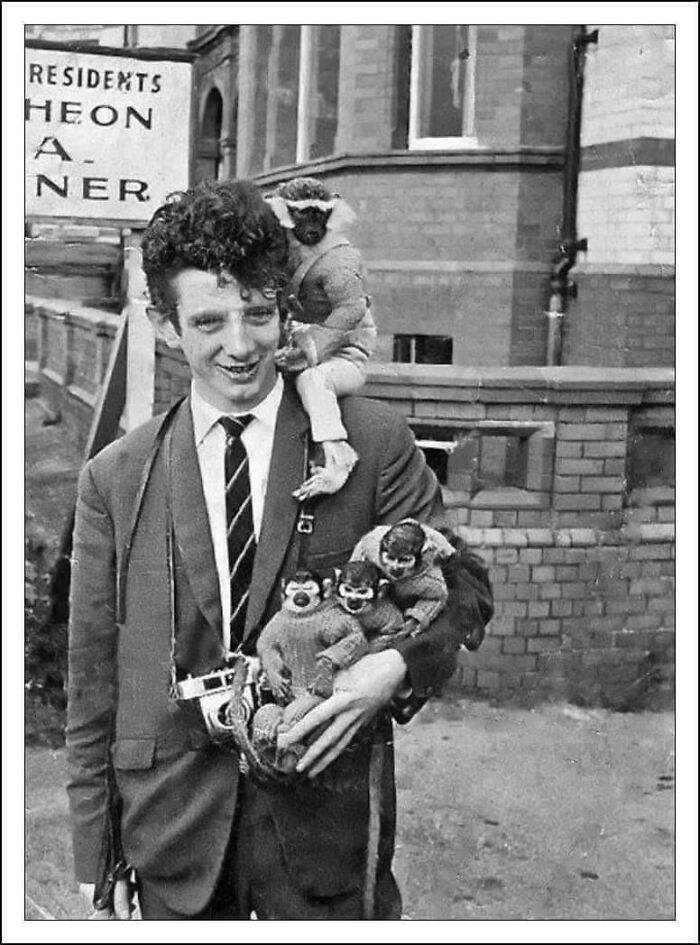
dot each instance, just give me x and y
(179, 791)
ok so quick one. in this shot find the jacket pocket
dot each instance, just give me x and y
(134, 754)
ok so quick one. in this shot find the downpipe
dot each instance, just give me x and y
(562, 287)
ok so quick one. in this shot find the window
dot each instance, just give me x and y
(296, 72)
(442, 87)
(651, 460)
(506, 463)
(422, 349)
(208, 142)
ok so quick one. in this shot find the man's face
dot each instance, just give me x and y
(228, 337)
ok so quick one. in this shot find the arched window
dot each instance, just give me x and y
(209, 143)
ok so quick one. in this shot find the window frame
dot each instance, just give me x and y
(428, 143)
(414, 339)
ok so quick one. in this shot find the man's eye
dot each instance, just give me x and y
(208, 322)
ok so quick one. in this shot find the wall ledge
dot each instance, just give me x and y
(567, 537)
(494, 159)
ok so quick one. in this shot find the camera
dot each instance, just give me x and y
(222, 696)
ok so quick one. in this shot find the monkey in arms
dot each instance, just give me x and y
(301, 649)
(410, 556)
(361, 591)
(330, 328)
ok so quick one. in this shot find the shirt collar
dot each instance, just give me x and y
(205, 416)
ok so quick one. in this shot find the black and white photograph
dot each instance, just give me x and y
(349, 471)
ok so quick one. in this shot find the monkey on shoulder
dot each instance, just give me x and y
(330, 328)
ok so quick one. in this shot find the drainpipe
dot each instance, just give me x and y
(562, 287)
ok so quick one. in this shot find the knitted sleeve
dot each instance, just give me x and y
(431, 592)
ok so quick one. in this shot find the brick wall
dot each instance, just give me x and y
(624, 314)
(583, 572)
(629, 83)
(579, 616)
(623, 318)
(627, 215)
(366, 87)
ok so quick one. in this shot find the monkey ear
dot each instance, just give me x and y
(382, 587)
(281, 211)
(327, 588)
(342, 215)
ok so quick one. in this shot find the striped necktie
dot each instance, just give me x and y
(239, 523)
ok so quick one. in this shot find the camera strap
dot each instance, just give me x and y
(162, 438)
(306, 520)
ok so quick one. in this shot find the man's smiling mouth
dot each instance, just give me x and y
(242, 372)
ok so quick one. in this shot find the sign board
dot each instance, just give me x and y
(107, 135)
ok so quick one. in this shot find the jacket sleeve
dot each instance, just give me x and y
(407, 488)
(92, 646)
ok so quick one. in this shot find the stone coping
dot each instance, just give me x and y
(567, 537)
(546, 158)
(551, 378)
(73, 309)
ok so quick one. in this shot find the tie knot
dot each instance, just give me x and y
(234, 426)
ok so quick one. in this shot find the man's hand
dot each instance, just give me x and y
(359, 693)
(122, 900)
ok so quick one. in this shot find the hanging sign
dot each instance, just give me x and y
(107, 135)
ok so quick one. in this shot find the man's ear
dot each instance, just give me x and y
(281, 211)
(163, 326)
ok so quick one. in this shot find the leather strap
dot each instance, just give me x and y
(302, 269)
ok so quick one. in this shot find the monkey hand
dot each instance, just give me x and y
(411, 628)
(329, 479)
(291, 359)
(278, 676)
(322, 684)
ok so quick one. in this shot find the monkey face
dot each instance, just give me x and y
(309, 223)
(302, 596)
(356, 599)
(358, 586)
(397, 566)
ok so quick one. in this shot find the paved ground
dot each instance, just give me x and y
(554, 813)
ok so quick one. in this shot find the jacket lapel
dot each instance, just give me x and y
(287, 472)
(190, 520)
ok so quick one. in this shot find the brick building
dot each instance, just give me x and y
(454, 144)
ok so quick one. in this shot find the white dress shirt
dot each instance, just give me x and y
(210, 442)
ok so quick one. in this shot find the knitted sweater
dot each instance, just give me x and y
(423, 594)
(333, 295)
(301, 639)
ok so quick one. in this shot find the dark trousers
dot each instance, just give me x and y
(254, 878)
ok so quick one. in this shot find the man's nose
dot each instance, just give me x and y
(236, 340)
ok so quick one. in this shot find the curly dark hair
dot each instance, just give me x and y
(217, 226)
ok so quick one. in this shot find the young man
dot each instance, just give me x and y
(167, 578)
